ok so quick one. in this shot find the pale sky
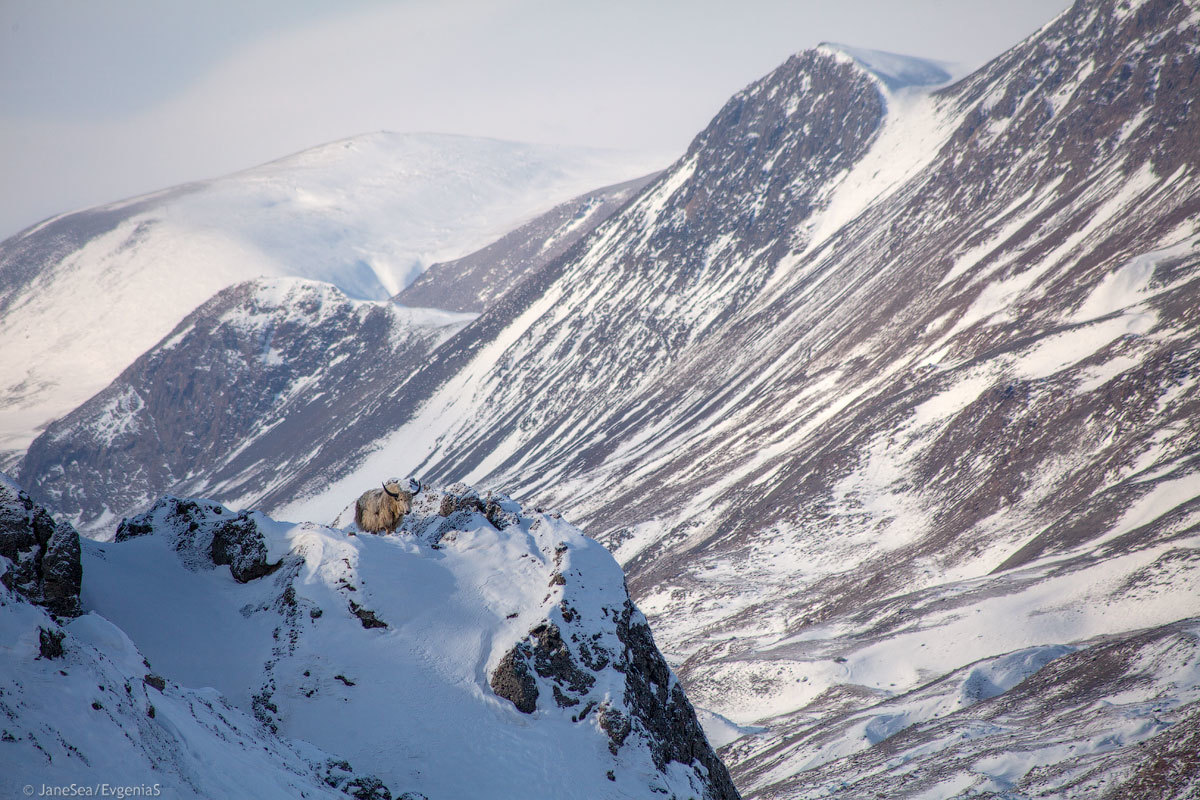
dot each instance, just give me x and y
(105, 99)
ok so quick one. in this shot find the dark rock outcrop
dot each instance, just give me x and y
(208, 533)
(659, 706)
(366, 616)
(239, 543)
(513, 680)
(653, 707)
(44, 554)
(50, 642)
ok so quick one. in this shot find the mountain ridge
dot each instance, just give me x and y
(366, 214)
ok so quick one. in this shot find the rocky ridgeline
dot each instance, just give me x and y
(569, 648)
(202, 527)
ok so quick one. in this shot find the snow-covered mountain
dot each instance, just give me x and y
(482, 651)
(885, 397)
(236, 397)
(84, 294)
(289, 359)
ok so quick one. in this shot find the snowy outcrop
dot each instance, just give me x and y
(206, 528)
(81, 706)
(42, 555)
(392, 653)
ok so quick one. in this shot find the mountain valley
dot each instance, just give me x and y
(883, 397)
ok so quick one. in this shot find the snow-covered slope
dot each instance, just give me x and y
(482, 651)
(245, 390)
(475, 281)
(92, 718)
(82, 712)
(83, 294)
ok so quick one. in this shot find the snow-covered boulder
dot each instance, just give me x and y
(206, 529)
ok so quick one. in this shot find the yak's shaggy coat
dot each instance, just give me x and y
(382, 509)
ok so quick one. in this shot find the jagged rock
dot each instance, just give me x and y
(369, 788)
(460, 497)
(653, 706)
(50, 642)
(340, 775)
(501, 511)
(208, 532)
(545, 653)
(132, 528)
(660, 706)
(616, 725)
(366, 616)
(552, 659)
(44, 555)
(655, 703)
(513, 680)
(239, 543)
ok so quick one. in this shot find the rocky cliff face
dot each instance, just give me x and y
(43, 555)
(233, 386)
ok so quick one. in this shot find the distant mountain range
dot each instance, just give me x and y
(883, 395)
(84, 294)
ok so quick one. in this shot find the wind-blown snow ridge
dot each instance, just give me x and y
(896, 71)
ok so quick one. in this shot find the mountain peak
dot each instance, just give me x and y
(893, 70)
